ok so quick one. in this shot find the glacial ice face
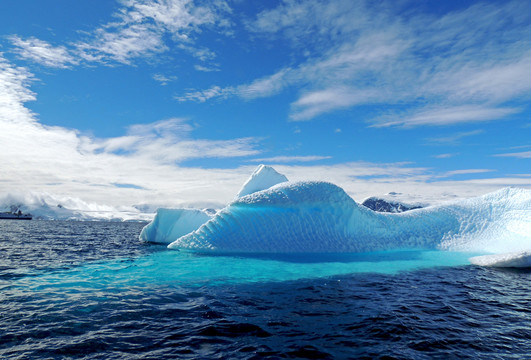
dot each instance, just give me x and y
(171, 224)
(321, 217)
(261, 179)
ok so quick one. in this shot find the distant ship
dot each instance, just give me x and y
(15, 216)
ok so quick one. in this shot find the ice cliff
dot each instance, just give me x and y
(319, 217)
(171, 224)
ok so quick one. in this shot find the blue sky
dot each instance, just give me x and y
(174, 102)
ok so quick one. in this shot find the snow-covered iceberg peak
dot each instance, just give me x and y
(261, 179)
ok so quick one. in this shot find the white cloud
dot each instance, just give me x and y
(206, 68)
(14, 92)
(315, 103)
(163, 79)
(493, 82)
(204, 95)
(141, 26)
(463, 172)
(42, 52)
(445, 115)
(169, 142)
(122, 44)
(444, 156)
(461, 67)
(313, 23)
(520, 147)
(259, 88)
(266, 86)
(519, 155)
(291, 159)
(455, 138)
(179, 17)
(140, 30)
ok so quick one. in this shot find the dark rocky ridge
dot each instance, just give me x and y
(382, 205)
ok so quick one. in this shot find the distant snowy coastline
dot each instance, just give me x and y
(50, 207)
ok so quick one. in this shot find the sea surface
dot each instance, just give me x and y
(92, 290)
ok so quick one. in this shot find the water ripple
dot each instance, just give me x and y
(447, 313)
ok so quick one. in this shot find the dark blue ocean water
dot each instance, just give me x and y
(83, 290)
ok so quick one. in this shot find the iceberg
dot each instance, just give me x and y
(272, 215)
(320, 217)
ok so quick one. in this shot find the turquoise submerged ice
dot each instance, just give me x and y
(319, 217)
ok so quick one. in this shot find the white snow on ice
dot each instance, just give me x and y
(319, 217)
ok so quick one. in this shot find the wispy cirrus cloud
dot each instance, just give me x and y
(14, 92)
(468, 65)
(43, 52)
(291, 159)
(121, 43)
(519, 155)
(141, 26)
(262, 87)
(453, 173)
(205, 95)
(169, 142)
(454, 139)
(445, 115)
(163, 79)
(206, 68)
(140, 29)
(444, 156)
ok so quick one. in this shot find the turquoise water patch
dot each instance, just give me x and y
(183, 268)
